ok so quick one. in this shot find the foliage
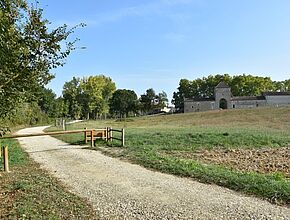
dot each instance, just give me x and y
(25, 114)
(123, 102)
(150, 101)
(28, 52)
(98, 90)
(88, 97)
(241, 85)
(48, 103)
(71, 95)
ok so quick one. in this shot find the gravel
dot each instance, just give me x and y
(120, 190)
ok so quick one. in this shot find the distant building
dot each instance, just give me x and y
(223, 99)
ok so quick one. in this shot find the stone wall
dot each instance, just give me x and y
(278, 100)
(240, 104)
(198, 106)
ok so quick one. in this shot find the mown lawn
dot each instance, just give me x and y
(28, 192)
(180, 144)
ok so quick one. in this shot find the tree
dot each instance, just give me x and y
(71, 94)
(123, 102)
(150, 101)
(185, 90)
(28, 52)
(162, 99)
(147, 100)
(98, 90)
(47, 102)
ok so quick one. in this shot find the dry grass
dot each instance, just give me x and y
(260, 118)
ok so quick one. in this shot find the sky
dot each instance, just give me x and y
(145, 44)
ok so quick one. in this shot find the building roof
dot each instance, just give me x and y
(199, 99)
(244, 98)
(222, 84)
(276, 93)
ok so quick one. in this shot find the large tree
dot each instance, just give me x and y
(28, 52)
(72, 95)
(123, 102)
(98, 90)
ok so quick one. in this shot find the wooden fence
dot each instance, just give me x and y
(4, 156)
(90, 135)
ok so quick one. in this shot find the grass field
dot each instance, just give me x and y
(29, 192)
(245, 150)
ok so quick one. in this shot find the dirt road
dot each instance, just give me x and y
(120, 190)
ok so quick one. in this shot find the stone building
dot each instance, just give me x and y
(223, 99)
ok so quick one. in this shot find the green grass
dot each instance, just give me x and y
(28, 192)
(153, 142)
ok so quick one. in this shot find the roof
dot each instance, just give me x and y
(275, 93)
(244, 98)
(222, 84)
(199, 99)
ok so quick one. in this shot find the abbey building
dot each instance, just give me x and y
(223, 99)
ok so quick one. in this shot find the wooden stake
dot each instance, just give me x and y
(123, 137)
(92, 138)
(86, 140)
(107, 134)
(111, 134)
(6, 159)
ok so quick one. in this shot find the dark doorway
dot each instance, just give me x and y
(223, 104)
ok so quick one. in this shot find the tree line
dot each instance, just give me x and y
(241, 85)
(96, 97)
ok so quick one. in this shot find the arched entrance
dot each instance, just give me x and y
(223, 104)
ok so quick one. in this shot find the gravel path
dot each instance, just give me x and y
(120, 190)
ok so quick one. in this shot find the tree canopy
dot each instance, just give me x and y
(28, 52)
(123, 102)
(150, 101)
(88, 97)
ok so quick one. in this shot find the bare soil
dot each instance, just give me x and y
(267, 160)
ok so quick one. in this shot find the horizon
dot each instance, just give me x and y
(154, 44)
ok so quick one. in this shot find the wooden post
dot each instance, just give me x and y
(86, 140)
(92, 138)
(0, 151)
(123, 137)
(107, 134)
(111, 134)
(6, 159)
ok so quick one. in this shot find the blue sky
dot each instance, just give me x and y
(154, 43)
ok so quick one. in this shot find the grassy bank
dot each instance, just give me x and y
(198, 145)
(29, 192)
